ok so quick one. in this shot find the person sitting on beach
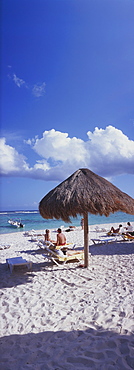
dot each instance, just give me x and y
(129, 229)
(71, 228)
(61, 239)
(47, 236)
(115, 231)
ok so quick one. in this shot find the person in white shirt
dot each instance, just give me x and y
(129, 229)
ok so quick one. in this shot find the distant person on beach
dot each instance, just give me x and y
(115, 231)
(47, 236)
(82, 223)
(129, 229)
(61, 239)
(71, 228)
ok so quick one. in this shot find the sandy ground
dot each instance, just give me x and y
(67, 317)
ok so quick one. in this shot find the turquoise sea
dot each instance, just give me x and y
(33, 220)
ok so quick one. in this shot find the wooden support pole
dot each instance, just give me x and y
(86, 247)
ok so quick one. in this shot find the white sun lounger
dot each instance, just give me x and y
(18, 261)
(100, 229)
(103, 241)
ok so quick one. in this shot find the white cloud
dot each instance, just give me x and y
(18, 81)
(57, 145)
(41, 165)
(39, 90)
(11, 162)
(112, 151)
(107, 152)
(14, 164)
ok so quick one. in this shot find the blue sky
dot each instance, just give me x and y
(67, 69)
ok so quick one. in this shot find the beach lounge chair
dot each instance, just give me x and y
(4, 246)
(100, 229)
(114, 234)
(18, 261)
(29, 233)
(57, 255)
(103, 240)
(128, 237)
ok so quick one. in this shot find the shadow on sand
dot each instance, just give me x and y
(120, 248)
(8, 280)
(96, 349)
(23, 276)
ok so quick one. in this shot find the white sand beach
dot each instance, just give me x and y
(67, 317)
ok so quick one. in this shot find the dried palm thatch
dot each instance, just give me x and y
(84, 192)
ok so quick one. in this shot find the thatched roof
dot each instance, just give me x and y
(84, 191)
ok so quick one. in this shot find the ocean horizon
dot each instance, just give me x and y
(33, 220)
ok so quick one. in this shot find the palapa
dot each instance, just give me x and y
(83, 192)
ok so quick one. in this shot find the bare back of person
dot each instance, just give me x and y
(47, 235)
(61, 239)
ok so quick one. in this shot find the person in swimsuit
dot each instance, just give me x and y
(61, 239)
(115, 231)
(47, 236)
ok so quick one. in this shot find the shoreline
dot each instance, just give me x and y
(91, 227)
(35, 221)
(67, 317)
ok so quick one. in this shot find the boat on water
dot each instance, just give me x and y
(15, 223)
